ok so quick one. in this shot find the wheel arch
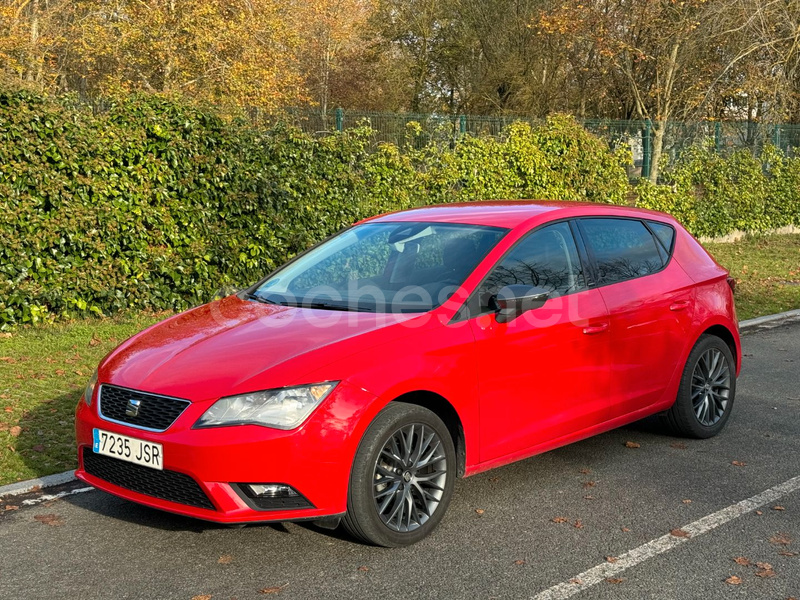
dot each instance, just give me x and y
(442, 408)
(727, 336)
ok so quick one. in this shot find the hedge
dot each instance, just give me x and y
(156, 205)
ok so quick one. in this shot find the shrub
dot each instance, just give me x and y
(155, 205)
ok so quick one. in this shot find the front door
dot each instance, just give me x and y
(542, 375)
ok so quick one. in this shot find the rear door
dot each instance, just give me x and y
(650, 302)
(542, 375)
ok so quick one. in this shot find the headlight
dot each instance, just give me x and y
(283, 408)
(89, 391)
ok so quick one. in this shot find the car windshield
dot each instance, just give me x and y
(382, 267)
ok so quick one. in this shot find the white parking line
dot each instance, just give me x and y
(48, 497)
(660, 545)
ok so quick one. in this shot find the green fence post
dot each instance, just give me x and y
(647, 150)
(718, 137)
(339, 119)
(776, 136)
(462, 124)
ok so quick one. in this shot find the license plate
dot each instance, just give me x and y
(127, 448)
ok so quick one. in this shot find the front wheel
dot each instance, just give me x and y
(402, 478)
(707, 390)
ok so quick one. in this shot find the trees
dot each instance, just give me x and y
(226, 52)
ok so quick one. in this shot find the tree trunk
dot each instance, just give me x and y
(659, 129)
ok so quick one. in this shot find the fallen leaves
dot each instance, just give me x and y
(764, 570)
(780, 539)
(778, 508)
(680, 533)
(578, 524)
(611, 559)
(615, 580)
(560, 519)
(480, 511)
(225, 559)
(363, 568)
(11, 507)
(624, 529)
(585, 471)
(49, 519)
(678, 445)
(783, 553)
(273, 590)
(202, 597)
(519, 562)
(7, 359)
(759, 512)
(576, 581)
(734, 580)
(741, 560)
(589, 484)
(738, 463)
(15, 431)
(632, 445)
(687, 501)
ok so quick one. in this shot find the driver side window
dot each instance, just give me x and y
(547, 259)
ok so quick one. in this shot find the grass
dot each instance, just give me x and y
(43, 369)
(767, 272)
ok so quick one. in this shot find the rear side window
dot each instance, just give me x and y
(664, 233)
(624, 248)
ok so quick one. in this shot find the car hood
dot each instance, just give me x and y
(234, 346)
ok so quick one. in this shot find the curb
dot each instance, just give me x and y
(750, 323)
(23, 487)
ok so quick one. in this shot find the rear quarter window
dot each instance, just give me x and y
(623, 248)
(664, 233)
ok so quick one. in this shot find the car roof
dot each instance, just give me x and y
(510, 213)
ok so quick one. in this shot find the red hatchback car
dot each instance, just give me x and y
(357, 381)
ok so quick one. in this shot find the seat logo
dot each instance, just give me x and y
(132, 410)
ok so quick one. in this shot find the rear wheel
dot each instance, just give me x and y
(402, 478)
(707, 390)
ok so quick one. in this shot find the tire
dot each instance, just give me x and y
(707, 390)
(402, 478)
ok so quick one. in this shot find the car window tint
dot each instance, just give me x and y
(547, 259)
(664, 233)
(624, 248)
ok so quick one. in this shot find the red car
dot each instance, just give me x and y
(356, 382)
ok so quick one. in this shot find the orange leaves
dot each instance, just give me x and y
(734, 580)
(49, 519)
(632, 445)
(680, 533)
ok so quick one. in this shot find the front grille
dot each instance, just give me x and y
(166, 485)
(152, 412)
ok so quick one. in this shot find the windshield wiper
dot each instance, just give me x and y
(258, 298)
(329, 306)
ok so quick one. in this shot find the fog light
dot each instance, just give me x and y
(270, 490)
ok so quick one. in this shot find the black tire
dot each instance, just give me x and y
(418, 504)
(707, 391)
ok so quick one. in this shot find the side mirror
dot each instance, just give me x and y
(513, 300)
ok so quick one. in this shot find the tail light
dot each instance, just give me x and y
(731, 283)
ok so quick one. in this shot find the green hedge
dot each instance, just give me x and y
(156, 205)
(713, 195)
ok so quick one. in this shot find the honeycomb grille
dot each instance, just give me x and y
(151, 411)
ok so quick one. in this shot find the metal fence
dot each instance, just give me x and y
(420, 129)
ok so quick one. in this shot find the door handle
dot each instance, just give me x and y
(593, 329)
(679, 305)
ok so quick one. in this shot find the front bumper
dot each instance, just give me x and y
(314, 459)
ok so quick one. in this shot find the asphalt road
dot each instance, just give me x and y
(498, 539)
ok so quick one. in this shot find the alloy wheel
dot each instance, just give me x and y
(409, 477)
